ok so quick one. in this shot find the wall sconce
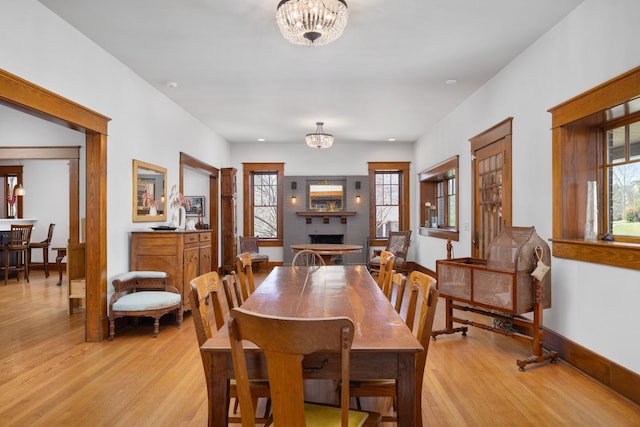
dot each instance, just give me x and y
(294, 186)
(358, 192)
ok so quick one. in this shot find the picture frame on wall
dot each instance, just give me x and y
(195, 205)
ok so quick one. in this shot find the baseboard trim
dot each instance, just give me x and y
(616, 377)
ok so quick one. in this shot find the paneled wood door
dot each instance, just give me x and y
(491, 157)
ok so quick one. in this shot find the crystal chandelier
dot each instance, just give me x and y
(311, 22)
(319, 139)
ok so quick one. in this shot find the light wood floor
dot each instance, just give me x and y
(50, 377)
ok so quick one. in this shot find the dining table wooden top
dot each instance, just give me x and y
(383, 345)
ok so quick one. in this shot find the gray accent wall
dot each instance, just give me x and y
(356, 229)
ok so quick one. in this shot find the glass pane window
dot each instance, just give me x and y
(623, 180)
(265, 204)
(387, 196)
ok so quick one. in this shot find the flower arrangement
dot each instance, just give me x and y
(177, 199)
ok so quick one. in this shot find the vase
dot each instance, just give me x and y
(591, 220)
(178, 217)
(153, 211)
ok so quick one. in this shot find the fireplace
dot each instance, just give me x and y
(326, 238)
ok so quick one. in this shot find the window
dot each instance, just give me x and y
(622, 175)
(263, 202)
(595, 137)
(389, 210)
(439, 200)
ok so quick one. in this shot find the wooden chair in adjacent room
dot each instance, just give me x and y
(398, 244)
(251, 246)
(285, 342)
(15, 253)
(422, 293)
(307, 258)
(207, 312)
(44, 245)
(244, 271)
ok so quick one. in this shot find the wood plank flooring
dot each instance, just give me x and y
(50, 377)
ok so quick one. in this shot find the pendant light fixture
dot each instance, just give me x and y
(311, 22)
(319, 139)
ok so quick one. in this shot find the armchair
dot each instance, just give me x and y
(250, 245)
(398, 244)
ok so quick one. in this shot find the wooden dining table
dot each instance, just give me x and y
(328, 251)
(383, 346)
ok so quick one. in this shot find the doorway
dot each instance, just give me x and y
(32, 99)
(491, 166)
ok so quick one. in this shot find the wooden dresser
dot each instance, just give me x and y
(181, 254)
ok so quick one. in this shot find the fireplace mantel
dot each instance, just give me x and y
(326, 216)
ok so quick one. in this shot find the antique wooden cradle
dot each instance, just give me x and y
(501, 288)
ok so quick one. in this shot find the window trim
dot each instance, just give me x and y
(577, 154)
(405, 211)
(429, 180)
(248, 170)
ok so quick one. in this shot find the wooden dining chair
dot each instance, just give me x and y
(386, 271)
(207, 311)
(15, 253)
(232, 291)
(307, 258)
(244, 270)
(44, 245)
(251, 245)
(422, 293)
(398, 282)
(285, 341)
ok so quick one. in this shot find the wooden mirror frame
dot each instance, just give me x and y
(140, 188)
(330, 194)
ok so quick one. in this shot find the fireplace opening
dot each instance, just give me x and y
(326, 238)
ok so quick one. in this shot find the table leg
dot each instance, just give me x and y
(409, 399)
(219, 389)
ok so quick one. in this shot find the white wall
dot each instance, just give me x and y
(145, 124)
(593, 305)
(343, 158)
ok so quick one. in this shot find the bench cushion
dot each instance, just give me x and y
(146, 300)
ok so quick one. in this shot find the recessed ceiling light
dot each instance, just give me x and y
(261, 140)
(391, 139)
(172, 85)
(451, 82)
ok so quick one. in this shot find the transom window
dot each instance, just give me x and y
(622, 179)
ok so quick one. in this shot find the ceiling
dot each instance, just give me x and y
(385, 78)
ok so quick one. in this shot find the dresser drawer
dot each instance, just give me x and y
(191, 238)
(205, 237)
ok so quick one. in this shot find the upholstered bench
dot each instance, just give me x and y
(144, 294)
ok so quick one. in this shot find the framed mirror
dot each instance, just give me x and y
(326, 197)
(149, 192)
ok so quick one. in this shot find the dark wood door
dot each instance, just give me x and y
(491, 186)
